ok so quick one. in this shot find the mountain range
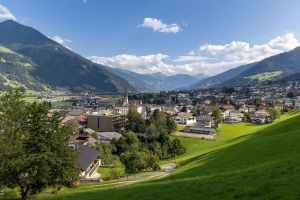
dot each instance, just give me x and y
(155, 82)
(273, 68)
(51, 64)
(219, 78)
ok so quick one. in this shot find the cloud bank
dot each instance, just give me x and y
(6, 14)
(61, 41)
(158, 25)
(208, 59)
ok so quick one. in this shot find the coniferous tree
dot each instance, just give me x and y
(34, 150)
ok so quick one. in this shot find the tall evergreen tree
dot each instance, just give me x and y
(34, 150)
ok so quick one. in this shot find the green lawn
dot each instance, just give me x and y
(112, 100)
(247, 161)
(180, 127)
(106, 171)
(61, 103)
(265, 76)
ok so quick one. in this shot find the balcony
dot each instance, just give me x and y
(92, 169)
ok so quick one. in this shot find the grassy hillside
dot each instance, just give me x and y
(265, 76)
(287, 63)
(247, 162)
(219, 78)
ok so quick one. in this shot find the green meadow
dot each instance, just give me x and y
(265, 76)
(5, 50)
(246, 161)
(112, 100)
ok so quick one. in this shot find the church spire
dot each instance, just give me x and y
(126, 97)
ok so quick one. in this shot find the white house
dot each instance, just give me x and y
(185, 118)
(88, 161)
(204, 121)
(243, 109)
(125, 108)
(289, 102)
(297, 103)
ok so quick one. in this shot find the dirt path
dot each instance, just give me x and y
(168, 167)
(194, 135)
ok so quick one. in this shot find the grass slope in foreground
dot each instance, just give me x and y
(247, 162)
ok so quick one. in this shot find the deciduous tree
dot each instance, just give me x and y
(217, 115)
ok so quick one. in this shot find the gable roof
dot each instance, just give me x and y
(185, 114)
(204, 118)
(110, 135)
(76, 112)
(86, 156)
(89, 130)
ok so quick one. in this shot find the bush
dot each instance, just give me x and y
(10, 193)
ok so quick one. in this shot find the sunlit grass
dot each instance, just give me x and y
(265, 76)
(5, 50)
(112, 100)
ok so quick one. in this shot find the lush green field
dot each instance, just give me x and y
(5, 50)
(180, 127)
(112, 100)
(265, 76)
(106, 172)
(246, 162)
(61, 103)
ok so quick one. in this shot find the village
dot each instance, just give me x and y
(96, 121)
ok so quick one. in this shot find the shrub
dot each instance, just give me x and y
(10, 193)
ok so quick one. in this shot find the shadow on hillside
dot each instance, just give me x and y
(250, 148)
(242, 137)
(293, 112)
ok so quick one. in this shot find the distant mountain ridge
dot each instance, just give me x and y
(273, 68)
(200, 76)
(55, 65)
(155, 82)
(219, 78)
(142, 82)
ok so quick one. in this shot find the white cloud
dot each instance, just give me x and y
(190, 58)
(139, 64)
(185, 23)
(243, 51)
(158, 25)
(6, 14)
(208, 59)
(24, 19)
(61, 41)
(191, 53)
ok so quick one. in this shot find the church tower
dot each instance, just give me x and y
(126, 97)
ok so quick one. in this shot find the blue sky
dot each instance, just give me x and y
(168, 36)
